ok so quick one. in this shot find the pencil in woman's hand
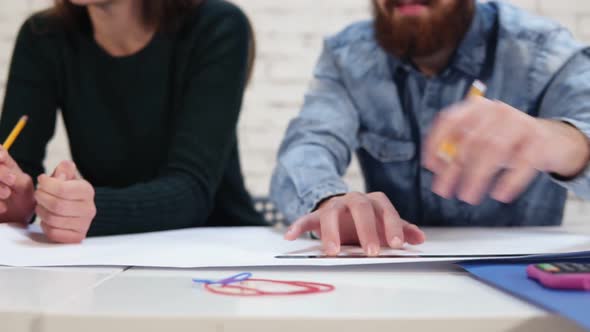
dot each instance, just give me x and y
(15, 132)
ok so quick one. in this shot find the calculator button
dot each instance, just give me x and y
(551, 268)
(582, 267)
(566, 267)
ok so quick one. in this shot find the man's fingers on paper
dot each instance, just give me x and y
(392, 223)
(330, 226)
(414, 235)
(3, 207)
(368, 219)
(363, 214)
(307, 223)
(62, 235)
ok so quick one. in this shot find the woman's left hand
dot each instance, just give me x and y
(65, 204)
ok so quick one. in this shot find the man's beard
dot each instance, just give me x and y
(414, 37)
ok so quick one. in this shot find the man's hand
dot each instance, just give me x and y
(17, 203)
(491, 137)
(65, 204)
(366, 219)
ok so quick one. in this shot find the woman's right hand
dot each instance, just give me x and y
(369, 220)
(17, 202)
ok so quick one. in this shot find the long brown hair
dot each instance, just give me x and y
(167, 15)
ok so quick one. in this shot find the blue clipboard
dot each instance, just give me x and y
(511, 277)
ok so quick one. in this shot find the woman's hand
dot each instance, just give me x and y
(17, 203)
(65, 204)
(366, 219)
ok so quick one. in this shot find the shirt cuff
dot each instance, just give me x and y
(579, 185)
(320, 193)
(582, 126)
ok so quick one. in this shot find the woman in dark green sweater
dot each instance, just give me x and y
(150, 92)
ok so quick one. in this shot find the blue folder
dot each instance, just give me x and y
(512, 278)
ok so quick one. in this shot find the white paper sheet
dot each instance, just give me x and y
(255, 246)
(477, 242)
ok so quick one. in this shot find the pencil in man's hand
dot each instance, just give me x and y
(448, 150)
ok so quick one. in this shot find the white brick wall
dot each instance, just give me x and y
(289, 39)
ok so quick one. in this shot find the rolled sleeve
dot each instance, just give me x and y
(579, 185)
(568, 100)
(318, 145)
(322, 192)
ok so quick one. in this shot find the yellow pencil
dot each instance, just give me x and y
(478, 89)
(15, 132)
(447, 151)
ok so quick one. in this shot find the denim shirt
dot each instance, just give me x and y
(354, 105)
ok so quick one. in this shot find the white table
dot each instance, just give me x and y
(25, 293)
(436, 297)
(375, 298)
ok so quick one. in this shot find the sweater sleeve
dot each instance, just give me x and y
(202, 137)
(31, 90)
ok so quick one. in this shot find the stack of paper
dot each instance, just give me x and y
(256, 246)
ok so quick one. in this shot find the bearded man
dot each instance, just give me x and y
(394, 90)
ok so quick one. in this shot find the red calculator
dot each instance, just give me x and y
(561, 275)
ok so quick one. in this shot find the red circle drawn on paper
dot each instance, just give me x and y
(244, 288)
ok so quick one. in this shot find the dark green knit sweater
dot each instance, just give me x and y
(154, 132)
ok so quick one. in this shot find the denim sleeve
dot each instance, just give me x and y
(318, 145)
(568, 99)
